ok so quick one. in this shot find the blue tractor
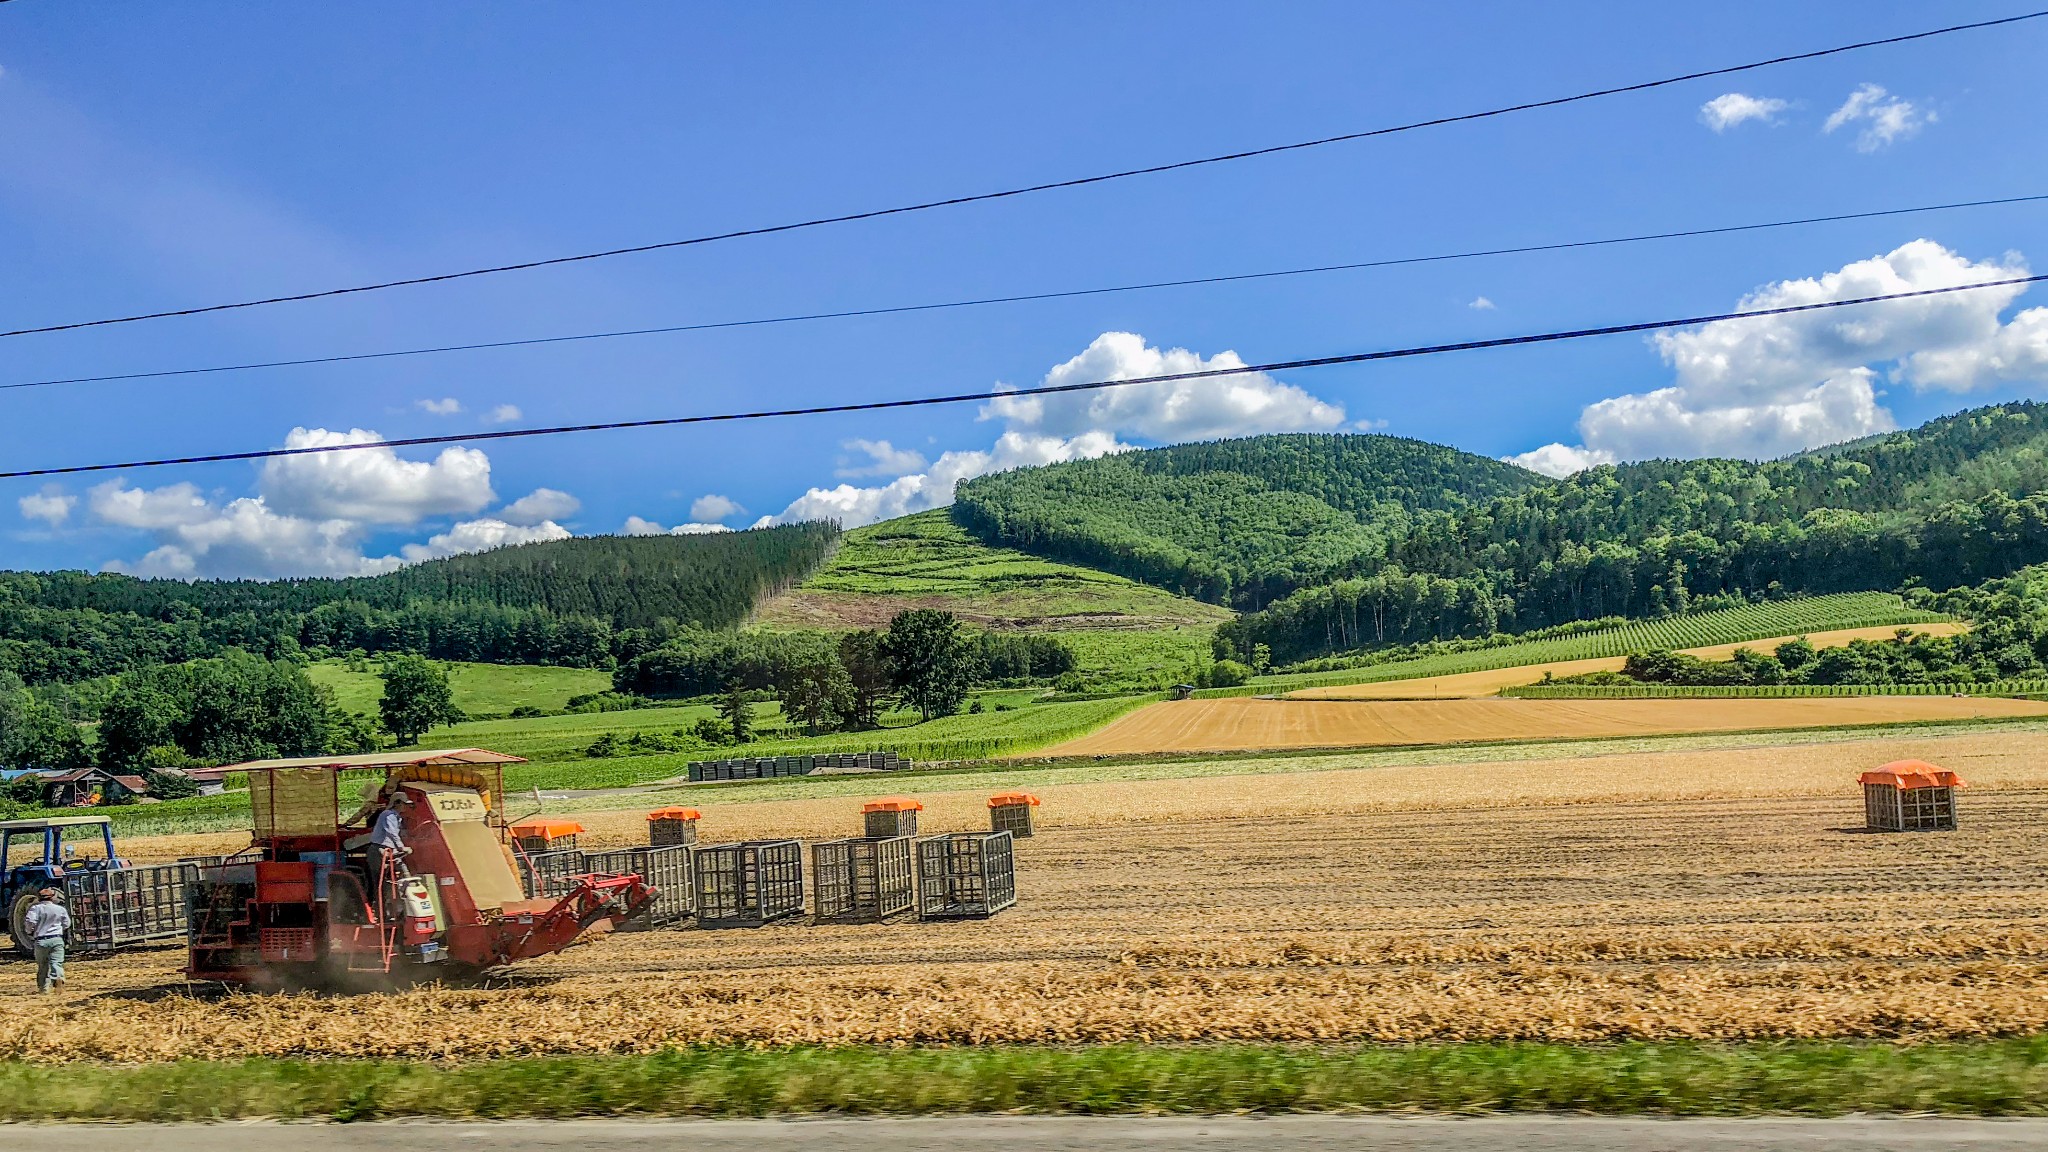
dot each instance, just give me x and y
(73, 854)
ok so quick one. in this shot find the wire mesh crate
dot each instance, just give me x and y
(965, 875)
(550, 875)
(1011, 812)
(122, 906)
(1910, 796)
(748, 884)
(669, 826)
(668, 868)
(887, 819)
(862, 880)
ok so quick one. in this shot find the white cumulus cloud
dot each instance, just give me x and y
(51, 505)
(482, 536)
(446, 406)
(1050, 429)
(540, 505)
(1774, 385)
(1884, 118)
(1481, 304)
(640, 526)
(373, 484)
(1731, 108)
(712, 506)
(505, 414)
(882, 459)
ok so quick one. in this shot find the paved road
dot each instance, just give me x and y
(1015, 1134)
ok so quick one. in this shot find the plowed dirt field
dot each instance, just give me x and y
(1490, 682)
(1700, 894)
(1242, 724)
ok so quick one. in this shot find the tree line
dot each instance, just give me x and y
(575, 603)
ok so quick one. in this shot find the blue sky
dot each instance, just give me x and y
(160, 157)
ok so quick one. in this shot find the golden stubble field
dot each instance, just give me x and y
(1245, 723)
(1490, 682)
(1697, 894)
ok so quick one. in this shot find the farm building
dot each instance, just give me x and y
(91, 786)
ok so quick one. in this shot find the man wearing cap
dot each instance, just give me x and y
(46, 923)
(387, 842)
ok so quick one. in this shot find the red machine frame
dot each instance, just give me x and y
(301, 906)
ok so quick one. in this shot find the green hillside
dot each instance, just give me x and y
(1125, 633)
(1236, 521)
(561, 602)
(480, 690)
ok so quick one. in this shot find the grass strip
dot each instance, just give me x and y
(2005, 1077)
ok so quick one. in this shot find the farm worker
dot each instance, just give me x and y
(47, 922)
(387, 841)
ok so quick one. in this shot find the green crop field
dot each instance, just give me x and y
(1693, 630)
(480, 689)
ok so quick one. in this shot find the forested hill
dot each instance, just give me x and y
(1956, 501)
(562, 602)
(1235, 522)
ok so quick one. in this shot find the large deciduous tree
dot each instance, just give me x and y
(932, 660)
(416, 697)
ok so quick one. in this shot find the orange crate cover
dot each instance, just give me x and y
(675, 814)
(1912, 774)
(547, 829)
(892, 804)
(1012, 800)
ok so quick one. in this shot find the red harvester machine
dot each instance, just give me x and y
(305, 904)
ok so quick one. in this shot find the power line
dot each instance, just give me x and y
(1040, 390)
(1049, 186)
(1066, 294)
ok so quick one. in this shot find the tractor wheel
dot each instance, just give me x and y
(17, 923)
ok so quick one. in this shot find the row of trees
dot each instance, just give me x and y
(586, 602)
(220, 710)
(926, 659)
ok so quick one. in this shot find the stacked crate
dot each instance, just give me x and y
(1011, 812)
(1909, 796)
(671, 826)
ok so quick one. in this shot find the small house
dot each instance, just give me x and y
(89, 786)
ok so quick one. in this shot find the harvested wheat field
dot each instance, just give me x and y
(1243, 723)
(1490, 682)
(1581, 900)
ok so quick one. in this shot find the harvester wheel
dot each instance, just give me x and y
(17, 923)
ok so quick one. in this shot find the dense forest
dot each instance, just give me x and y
(576, 602)
(1953, 502)
(1236, 522)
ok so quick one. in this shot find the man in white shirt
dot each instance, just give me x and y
(387, 844)
(46, 923)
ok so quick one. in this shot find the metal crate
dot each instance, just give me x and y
(124, 906)
(672, 833)
(965, 875)
(889, 825)
(1012, 818)
(862, 881)
(551, 875)
(667, 868)
(749, 884)
(1890, 809)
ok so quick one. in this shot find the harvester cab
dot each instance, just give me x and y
(318, 898)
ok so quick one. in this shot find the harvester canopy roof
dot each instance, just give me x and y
(1908, 774)
(394, 758)
(547, 829)
(1012, 800)
(892, 804)
(675, 814)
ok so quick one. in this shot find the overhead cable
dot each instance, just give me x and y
(1076, 182)
(1013, 393)
(1065, 294)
